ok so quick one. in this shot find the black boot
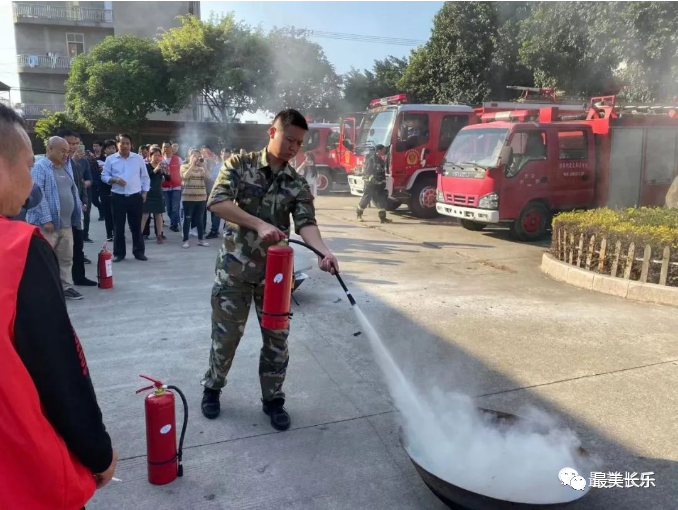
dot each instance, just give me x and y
(210, 403)
(383, 218)
(280, 420)
(359, 214)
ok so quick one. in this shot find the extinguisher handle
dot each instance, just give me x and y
(156, 383)
(146, 388)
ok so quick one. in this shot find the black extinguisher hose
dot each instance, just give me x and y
(336, 273)
(180, 451)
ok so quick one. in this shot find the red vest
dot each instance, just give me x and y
(175, 174)
(37, 472)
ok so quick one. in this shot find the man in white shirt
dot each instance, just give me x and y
(126, 172)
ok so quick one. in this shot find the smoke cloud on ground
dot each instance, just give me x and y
(450, 437)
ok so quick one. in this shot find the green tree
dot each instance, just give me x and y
(225, 63)
(646, 42)
(506, 66)
(455, 64)
(303, 77)
(360, 87)
(564, 45)
(52, 123)
(118, 84)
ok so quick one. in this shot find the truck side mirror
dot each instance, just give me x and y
(506, 156)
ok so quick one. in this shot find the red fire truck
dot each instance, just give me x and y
(343, 153)
(320, 140)
(521, 167)
(416, 137)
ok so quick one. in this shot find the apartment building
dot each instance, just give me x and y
(49, 35)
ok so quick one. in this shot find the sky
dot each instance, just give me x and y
(408, 20)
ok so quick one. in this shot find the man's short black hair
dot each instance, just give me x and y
(173, 143)
(98, 142)
(107, 144)
(291, 117)
(166, 142)
(205, 147)
(10, 124)
(63, 133)
(120, 136)
(379, 147)
(144, 147)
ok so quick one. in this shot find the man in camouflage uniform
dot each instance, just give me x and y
(374, 179)
(256, 193)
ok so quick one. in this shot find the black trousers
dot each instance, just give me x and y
(107, 212)
(78, 268)
(147, 226)
(194, 213)
(96, 191)
(130, 208)
(376, 193)
(85, 229)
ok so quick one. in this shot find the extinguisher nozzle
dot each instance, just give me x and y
(180, 471)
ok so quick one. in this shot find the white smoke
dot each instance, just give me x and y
(450, 437)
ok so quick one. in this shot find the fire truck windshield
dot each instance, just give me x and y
(478, 147)
(376, 129)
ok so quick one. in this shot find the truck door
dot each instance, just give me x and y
(661, 164)
(574, 169)
(528, 176)
(412, 135)
(347, 145)
(450, 125)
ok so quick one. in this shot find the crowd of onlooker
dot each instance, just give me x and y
(128, 189)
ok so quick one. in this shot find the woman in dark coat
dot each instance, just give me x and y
(154, 202)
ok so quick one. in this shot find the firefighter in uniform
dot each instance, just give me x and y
(256, 193)
(374, 178)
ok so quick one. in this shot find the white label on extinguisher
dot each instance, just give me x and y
(166, 429)
(278, 278)
(109, 268)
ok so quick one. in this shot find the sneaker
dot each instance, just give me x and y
(203, 243)
(72, 294)
(87, 240)
(212, 235)
(85, 282)
(194, 233)
(174, 228)
(186, 245)
(110, 239)
(210, 403)
(275, 408)
(385, 220)
(87, 261)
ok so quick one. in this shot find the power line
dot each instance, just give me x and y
(398, 41)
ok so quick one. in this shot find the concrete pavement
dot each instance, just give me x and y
(467, 311)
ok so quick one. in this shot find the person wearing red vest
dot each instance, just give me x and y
(172, 188)
(54, 448)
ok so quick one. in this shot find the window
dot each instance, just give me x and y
(449, 128)
(572, 145)
(527, 146)
(312, 140)
(76, 44)
(413, 131)
(660, 162)
(332, 139)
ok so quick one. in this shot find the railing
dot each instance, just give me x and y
(61, 12)
(43, 62)
(37, 110)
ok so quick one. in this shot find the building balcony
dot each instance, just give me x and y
(67, 15)
(41, 64)
(35, 110)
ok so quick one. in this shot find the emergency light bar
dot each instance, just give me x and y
(385, 101)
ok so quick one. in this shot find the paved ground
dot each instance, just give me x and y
(465, 310)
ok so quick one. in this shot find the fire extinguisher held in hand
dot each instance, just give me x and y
(275, 313)
(164, 460)
(105, 268)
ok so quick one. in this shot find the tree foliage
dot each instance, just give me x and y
(360, 87)
(225, 63)
(454, 66)
(119, 82)
(52, 123)
(303, 77)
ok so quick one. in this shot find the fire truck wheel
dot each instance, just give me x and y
(423, 198)
(532, 222)
(472, 225)
(324, 181)
(393, 204)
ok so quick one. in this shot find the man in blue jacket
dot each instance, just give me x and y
(60, 208)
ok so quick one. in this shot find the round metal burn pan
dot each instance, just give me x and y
(457, 498)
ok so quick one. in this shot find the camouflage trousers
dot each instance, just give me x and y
(231, 299)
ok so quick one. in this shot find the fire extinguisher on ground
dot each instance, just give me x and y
(164, 459)
(105, 268)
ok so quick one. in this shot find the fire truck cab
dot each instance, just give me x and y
(416, 137)
(522, 172)
(320, 140)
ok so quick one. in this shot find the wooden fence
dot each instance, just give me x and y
(618, 259)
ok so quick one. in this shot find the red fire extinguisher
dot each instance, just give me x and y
(105, 269)
(164, 460)
(275, 313)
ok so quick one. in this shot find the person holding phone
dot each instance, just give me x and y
(194, 195)
(154, 203)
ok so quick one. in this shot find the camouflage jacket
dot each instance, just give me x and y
(250, 183)
(374, 170)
